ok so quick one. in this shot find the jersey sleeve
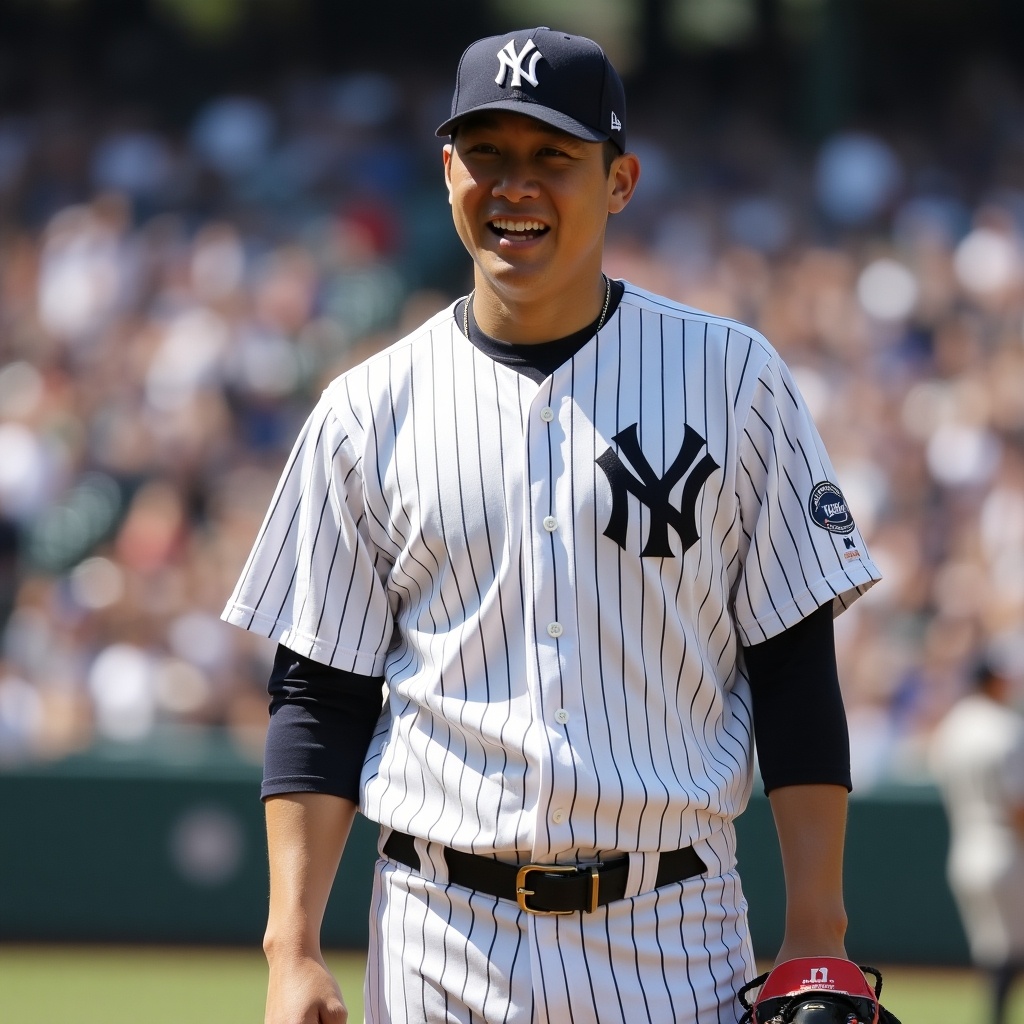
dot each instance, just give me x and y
(802, 548)
(311, 581)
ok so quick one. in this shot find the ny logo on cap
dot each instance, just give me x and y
(511, 60)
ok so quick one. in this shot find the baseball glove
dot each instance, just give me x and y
(822, 990)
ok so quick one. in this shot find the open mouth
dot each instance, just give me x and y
(517, 230)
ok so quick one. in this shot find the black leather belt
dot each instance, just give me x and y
(547, 888)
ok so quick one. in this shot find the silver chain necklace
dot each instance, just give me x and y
(600, 321)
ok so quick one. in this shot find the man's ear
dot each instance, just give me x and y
(446, 155)
(622, 181)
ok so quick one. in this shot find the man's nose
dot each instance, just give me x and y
(515, 182)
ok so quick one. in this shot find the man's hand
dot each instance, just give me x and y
(303, 991)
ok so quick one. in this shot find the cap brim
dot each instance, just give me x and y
(554, 118)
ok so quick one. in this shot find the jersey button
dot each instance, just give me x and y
(547, 414)
(558, 816)
(550, 524)
(554, 629)
(562, 716)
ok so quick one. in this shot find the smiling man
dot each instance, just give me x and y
(570, 530)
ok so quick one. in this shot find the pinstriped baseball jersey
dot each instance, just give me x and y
(555, 579)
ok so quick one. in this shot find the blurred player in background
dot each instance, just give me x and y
(977, 756)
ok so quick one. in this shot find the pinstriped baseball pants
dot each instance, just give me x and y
(442, 953)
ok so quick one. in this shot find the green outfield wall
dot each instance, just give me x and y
(172, 851)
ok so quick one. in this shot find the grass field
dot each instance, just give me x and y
(99, 985)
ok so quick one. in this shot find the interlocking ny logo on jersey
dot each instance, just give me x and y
(512, 61)
(653, 491)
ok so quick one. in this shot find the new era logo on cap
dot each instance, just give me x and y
(563, 80)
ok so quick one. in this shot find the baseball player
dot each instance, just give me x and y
(977, 758)
(540, 573)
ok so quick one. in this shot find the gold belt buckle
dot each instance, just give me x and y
(522, 892)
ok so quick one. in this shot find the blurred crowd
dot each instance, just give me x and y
(173, 301)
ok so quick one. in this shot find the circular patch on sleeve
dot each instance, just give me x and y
(829, 510)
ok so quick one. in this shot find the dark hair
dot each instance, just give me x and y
(611, 151)
(983, 672)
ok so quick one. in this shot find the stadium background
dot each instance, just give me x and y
(208, 208)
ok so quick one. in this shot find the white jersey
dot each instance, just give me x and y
(555, 579)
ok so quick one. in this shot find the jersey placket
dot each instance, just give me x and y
(553, 664)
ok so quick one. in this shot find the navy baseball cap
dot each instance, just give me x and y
(563, 80)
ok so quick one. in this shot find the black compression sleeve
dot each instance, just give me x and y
(321, 723)
(799, 719)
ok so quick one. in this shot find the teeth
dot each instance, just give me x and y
(517, 226)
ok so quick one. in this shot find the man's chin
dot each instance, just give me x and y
(510, 272)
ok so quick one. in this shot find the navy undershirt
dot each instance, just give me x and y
(536, 361)
(322, 719)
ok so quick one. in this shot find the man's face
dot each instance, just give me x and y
(530, 203)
